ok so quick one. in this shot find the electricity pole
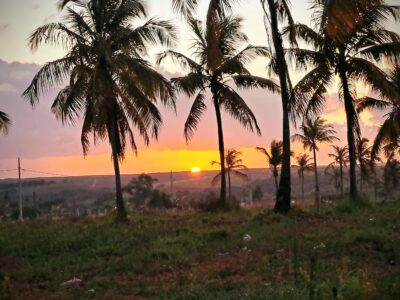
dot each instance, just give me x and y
(21, 217)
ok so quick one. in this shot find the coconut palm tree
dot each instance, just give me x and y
(274, 159)
(234, 166)
(391, 175)
(349, 37)
(388, 135)
(314, 132)
(304, 165)
(111, 86)
(333, 172)
(5, 123)
(216, 62)
(277, 12)
(364, 160)
(340, 158)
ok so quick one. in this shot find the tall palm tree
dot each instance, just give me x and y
(363, 152)
(313, 133)
(341, 158)
(274, 159)
(111, 85)
(349, 36)
(217, 61)
(5, 123)
(389, 133)
(304, 165)
(276, 12)
(234, 165)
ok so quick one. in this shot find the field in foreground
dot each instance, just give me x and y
(343, 252)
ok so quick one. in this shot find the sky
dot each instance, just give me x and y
(45, 145)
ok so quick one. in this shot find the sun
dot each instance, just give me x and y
(195, 170)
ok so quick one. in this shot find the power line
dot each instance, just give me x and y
(43, 173)
(9, 170)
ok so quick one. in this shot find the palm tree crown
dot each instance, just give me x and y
(110, 84)
(216, 62)
(5, 123)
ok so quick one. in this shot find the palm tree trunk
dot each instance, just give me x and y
(221, 146)
(276, 180)
(302, 186)
(317, 200)
(283, 197)
(121, 211)
(341, 181)
(229, 185)
(350, 115)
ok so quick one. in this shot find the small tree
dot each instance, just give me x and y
(341, 159)
(274, 158)
(304, 165)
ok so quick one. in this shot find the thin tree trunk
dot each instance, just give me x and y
(276, 180)
(302, 186)
(317, 200)
(229, 185)
(221, 147)
(121, 211)
(341, 180)
(350, 111)
(283, 197)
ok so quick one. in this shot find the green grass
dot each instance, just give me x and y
(350, 251)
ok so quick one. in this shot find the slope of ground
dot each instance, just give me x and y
(342, 252)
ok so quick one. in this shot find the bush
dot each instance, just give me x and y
(351, 206)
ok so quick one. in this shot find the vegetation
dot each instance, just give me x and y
(203, 255)
(110, 83)
(234, 167)
(5, 123)
(274, 158)
(340, 159)
(313, 133)
(304, 165)
(217, 61)
(348, 40)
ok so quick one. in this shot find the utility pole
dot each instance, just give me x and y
(21, 217)
(172, 183)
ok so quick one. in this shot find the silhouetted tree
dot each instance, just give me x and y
(111, 86)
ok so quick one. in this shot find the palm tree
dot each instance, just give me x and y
(313, 133)
(349, 36)
(276, 11)
(334, 173)
(389, 133)
(5, 123)
(111, 85)
(341, 158)
(304, 165)
(274, 159)
(233, 165)
(391, 175)
(364, 160)
(215, 62)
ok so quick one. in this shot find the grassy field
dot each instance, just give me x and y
(342, 252)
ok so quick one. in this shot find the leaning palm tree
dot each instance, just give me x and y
(274, 159)
(313, 133)
(111, 86)
(388, 135)
(304, 165)
(276, 12)
(349, 36)
(234, 166)
(340, 158)
(216, 62)
(5, 123)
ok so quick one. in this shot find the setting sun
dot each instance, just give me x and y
(196, 170)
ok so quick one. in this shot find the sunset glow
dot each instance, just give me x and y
(196, 170)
